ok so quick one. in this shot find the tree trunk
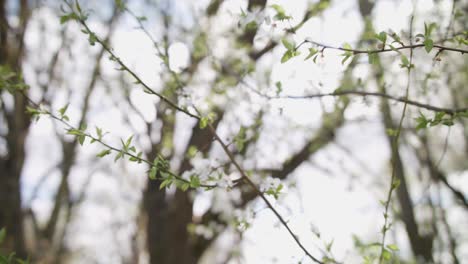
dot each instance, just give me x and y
(17, 123)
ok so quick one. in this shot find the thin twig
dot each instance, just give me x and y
(259, 193)
(112, 148)
(395, 153)
(404, 99)
(374, 51)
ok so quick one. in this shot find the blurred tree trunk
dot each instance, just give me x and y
(167, 216)
(421, 245)
(16, 122)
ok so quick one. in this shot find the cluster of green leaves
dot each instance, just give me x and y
(291, 50)
(127, 148)
(317, 8)
(10, 80)
(405, 62)
(440, 118)
(280, 13)
(275, 191)
(62, 112)
(462, 39)
(68, 16)
(313, 53)
(207, 120)
(347, 54)
(80, 133)
(371, 254)
(160, 166)
(35, 112)
(382, 42)
(241, 223)
(77, 14)
(428, 42)
(11, 257)
(382, 39)
(160, 170)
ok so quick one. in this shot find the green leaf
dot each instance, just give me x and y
(74, 132)
(278, 8)
(137, 158)
(348, 53)
(204, 122)
(118, 156)
(78, 7)
(99, 133)
(393, 247)
(65, 18)
(279, 87)
(421, 122)
(103, 153)
(166, 182)
(128, 142)
(286, 56)
(81, 139)
(194, 181)
(428, 45)
(63, 110)
(32, 111)
(192, 151)
(184, 187)
(396, 39)
(153, 172)
(312, 52)
(428, 29)
(346, 57)
(288, 45)
(92, 39)
(387, 255)
(280, 12)
(382, 36)
(404, 62)
(347, 46)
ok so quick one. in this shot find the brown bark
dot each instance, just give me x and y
(17, 123)
(168, 240)
(421, 245)
(168, 217)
